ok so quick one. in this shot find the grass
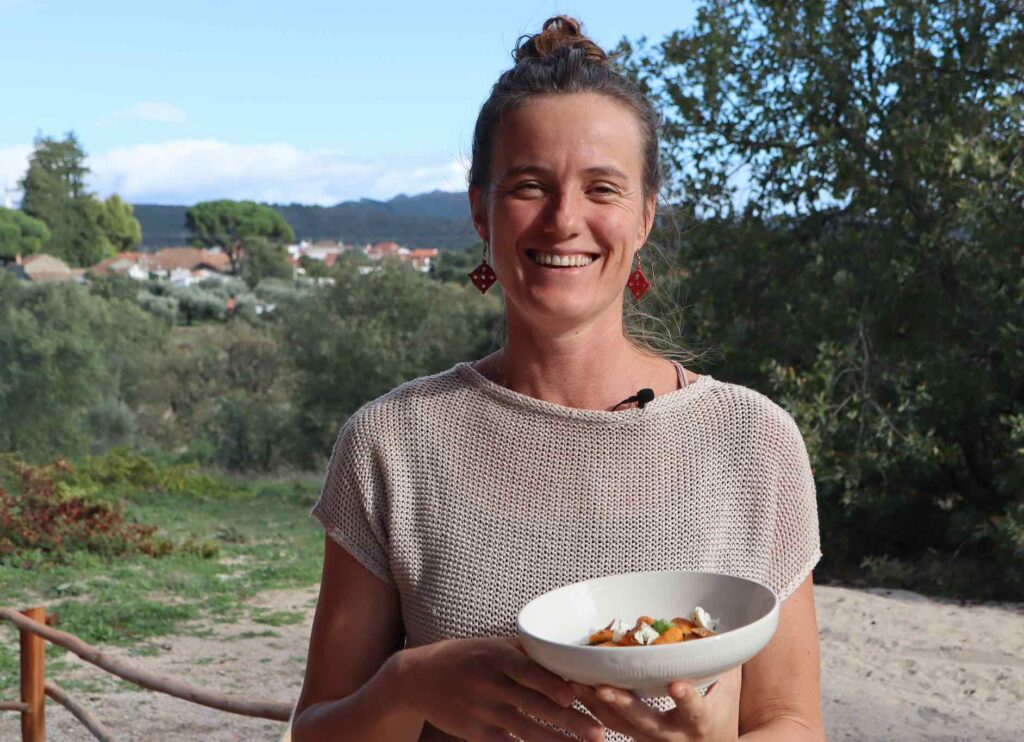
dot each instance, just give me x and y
(278, 618)
(230, 549)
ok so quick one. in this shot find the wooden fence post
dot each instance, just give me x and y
(33, 680)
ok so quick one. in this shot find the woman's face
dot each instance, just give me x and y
(564, 213)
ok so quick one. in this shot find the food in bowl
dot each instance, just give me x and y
(648, 631)
(551, 628)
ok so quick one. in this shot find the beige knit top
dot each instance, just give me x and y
(471, 499)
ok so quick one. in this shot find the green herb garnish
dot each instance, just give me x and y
(661, 626)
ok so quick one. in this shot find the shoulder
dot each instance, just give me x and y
(408, 407)
(747, 416)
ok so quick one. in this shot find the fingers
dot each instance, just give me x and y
(621, 710)
(631, 708)
(528, 673)
(691, 709)
(541, 707)
(603, 710)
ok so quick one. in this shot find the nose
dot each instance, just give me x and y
(564, 214)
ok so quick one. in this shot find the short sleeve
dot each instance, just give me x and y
(352, 506)
(796, 543)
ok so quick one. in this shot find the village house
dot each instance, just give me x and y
(182, 266)
(187, 265)
(326, 251)
(43, 267)
(132, 264)
(420, 259)
(385, 250)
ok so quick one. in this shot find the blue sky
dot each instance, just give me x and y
(314, 102)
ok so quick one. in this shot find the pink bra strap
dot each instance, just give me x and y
(683, 383)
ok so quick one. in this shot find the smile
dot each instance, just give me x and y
(578, 260)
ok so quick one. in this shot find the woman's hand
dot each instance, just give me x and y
(713, 717)
(482, 689)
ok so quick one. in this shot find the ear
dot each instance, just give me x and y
(478, 210)
(650, 210)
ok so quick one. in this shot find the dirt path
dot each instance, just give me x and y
(245, 658)
(895, 666)
(899, 666)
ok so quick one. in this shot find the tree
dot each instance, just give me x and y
(20, 234)
(54, 191)
(855, 170)
(264, 259)
(228, 224)
(119, 224)
(65, 355)
(314, 268)
(355, 340)
(455, 265)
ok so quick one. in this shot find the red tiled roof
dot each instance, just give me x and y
(108, 265)
(188, 258)
(43, 267)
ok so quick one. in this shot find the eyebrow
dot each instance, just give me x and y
(597, 170)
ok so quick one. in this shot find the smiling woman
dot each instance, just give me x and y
(455, 499)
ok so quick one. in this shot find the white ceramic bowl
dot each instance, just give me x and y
(553, 625)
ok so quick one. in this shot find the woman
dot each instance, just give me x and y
(456, 498)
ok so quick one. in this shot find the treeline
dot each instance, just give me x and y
(435, 219)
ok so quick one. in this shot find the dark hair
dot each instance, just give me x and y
(559, 60)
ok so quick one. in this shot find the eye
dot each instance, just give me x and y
(527, 186)
(603, 189)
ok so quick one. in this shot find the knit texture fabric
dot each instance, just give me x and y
(472, 499)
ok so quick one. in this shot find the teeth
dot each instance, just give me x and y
(562, 261)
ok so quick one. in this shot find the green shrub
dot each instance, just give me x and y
(198, 546)
(252, 431)
(119, 466)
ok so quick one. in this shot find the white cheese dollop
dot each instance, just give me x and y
(703, 619)
(646, 634)
(619, 629)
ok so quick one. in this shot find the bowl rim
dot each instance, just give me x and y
(676, 645)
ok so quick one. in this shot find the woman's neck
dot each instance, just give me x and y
(592, 367)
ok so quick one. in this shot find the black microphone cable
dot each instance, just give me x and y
(642, 397)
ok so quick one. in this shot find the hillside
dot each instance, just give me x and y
(436, 219)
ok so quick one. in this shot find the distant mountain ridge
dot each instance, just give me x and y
(436, 219)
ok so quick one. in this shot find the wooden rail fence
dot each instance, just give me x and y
(33, 635)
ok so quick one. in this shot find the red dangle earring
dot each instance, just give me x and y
(638, 283)
(483, 275)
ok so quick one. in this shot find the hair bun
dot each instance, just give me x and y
(558, 32)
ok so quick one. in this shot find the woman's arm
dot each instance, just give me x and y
(350, 686)
(781, 692)
(360, 684)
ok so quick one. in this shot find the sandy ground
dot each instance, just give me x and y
(895, 666)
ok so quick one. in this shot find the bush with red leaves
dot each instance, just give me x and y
(40, 517)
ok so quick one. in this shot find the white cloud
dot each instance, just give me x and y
(13, 163)
(156, 111)
(184, 171)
